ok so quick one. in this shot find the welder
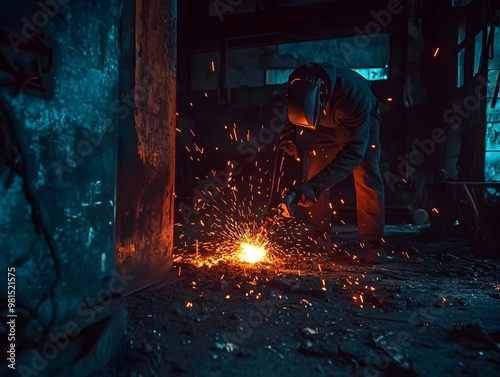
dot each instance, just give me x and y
(340, 109)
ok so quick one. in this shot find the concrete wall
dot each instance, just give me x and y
(99, 154)
(69, 142)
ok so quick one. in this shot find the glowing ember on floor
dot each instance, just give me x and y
(252, 253)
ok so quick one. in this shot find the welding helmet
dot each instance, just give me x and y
(309, 88)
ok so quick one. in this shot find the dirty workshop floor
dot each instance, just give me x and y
(432, 311)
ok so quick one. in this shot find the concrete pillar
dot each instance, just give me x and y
(146, 151)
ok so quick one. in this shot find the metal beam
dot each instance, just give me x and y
(278, 25)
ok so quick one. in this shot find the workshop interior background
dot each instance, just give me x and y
(138, 155)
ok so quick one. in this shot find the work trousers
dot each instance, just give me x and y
(368, 182)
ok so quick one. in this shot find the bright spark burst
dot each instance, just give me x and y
(227, 218)
(230, 235)
(240, 240)
(251, 253)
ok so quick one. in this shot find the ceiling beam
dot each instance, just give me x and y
(280, 25)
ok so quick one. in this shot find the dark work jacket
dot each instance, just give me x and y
(351, 107)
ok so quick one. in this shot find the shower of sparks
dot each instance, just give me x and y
(225, 216)
(229, 232)
(228, 217)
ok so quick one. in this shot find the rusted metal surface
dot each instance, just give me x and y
(147, 148)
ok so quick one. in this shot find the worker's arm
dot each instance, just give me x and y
(357, 130)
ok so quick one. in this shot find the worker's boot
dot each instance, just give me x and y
(375, 253)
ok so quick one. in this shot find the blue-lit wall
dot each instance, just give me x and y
(70, 145)
(492, 147)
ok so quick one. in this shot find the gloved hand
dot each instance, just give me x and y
(289, 147)
(305, 196)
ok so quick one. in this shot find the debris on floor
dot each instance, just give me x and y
(434, 313)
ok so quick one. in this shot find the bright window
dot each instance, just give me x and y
(271, 65)
(492, 142)
(280, 76)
